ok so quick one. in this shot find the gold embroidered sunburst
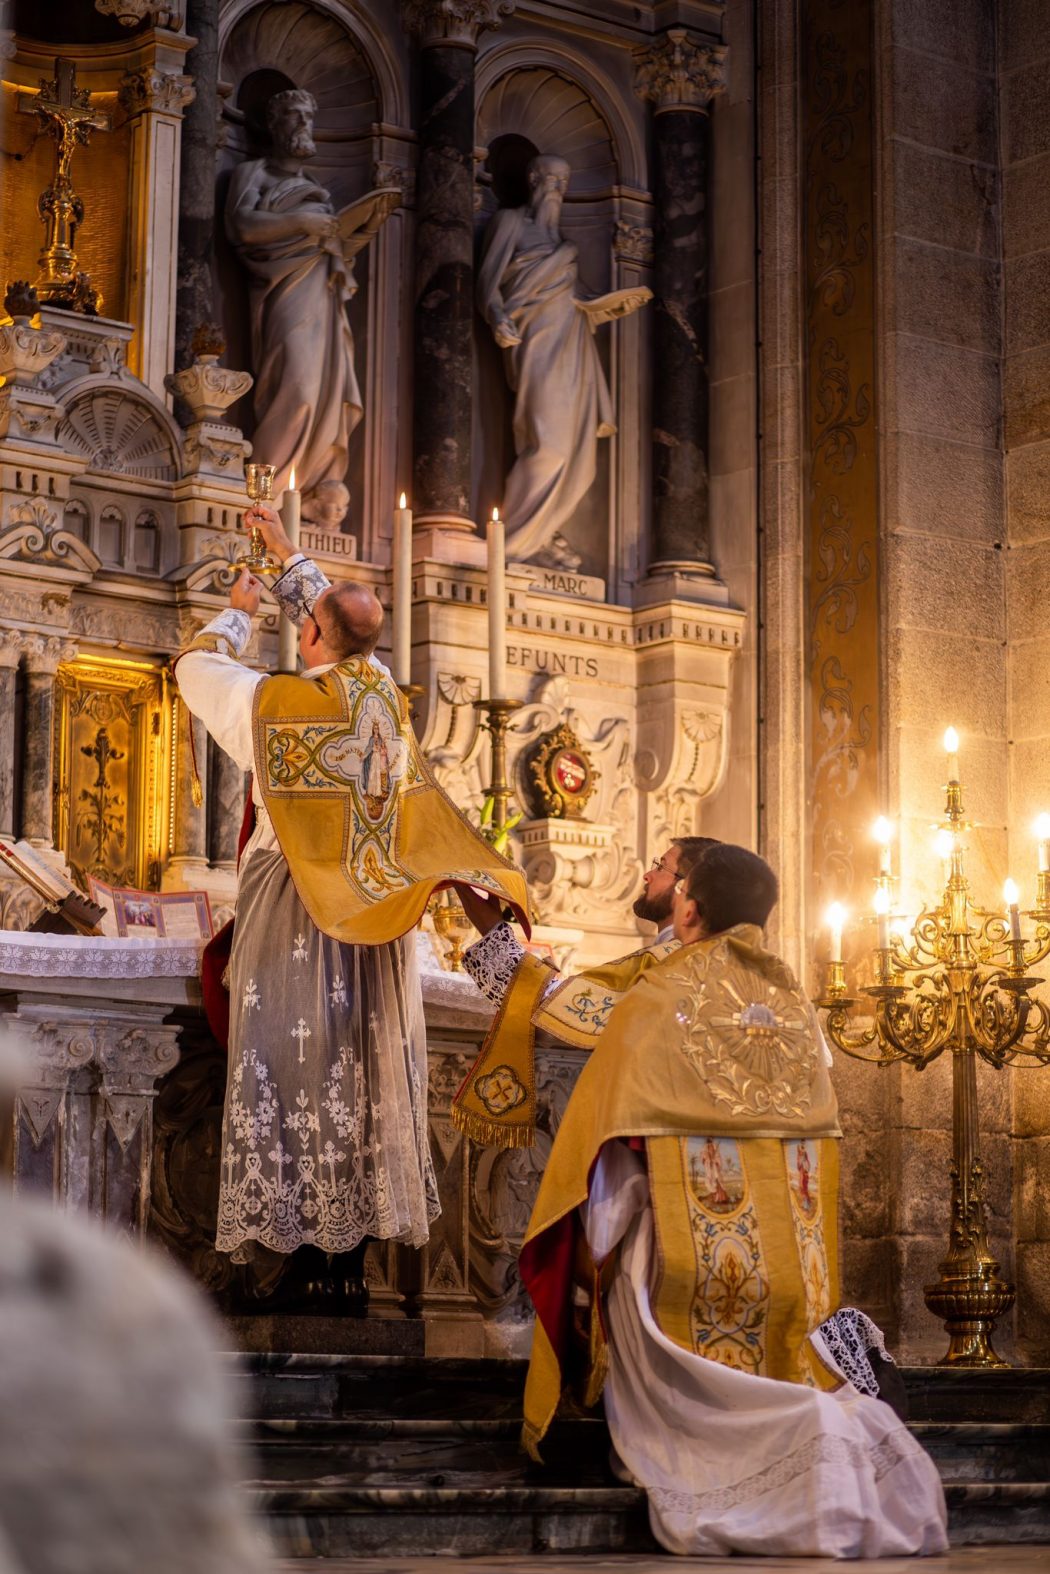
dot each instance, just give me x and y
(750, 1039)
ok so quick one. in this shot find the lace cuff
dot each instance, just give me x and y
(296, 590)
(493, 960)
(231, 629)
(849, 1335)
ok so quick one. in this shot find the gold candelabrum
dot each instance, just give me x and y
(258, 483)
(69, 120)
(495, 719)
(959, 982)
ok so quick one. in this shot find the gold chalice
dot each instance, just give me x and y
(452, 925)
(258, 483)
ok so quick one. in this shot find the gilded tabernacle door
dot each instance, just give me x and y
(113, 758)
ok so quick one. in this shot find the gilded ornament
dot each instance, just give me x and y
(69, 120)
(680, 72)
(565, 779)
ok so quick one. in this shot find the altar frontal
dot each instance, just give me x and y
(368, 834)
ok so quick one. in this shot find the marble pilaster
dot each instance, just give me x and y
(680, 77)
(189, 857)
(225, 807)
(10, 653)
(153, 97)
(444, 281)
(43, 655)
(194, 300)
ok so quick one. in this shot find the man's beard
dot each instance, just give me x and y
(301, 145)
(656, 909)
(547, 212)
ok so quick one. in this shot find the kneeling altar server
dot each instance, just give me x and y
(683, 1255)
(325, 1140)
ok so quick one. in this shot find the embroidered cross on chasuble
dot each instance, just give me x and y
(368, 834)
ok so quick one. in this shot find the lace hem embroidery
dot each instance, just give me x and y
(894, 1449)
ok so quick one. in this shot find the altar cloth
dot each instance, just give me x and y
(97, 956)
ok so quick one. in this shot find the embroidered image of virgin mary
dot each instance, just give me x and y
(375, 773)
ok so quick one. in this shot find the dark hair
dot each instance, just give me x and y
(350, 619)
(732, 886)
(690, 848)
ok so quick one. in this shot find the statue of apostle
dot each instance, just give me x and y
(528, 293)
(299, 255)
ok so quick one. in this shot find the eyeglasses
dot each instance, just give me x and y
(658, 864)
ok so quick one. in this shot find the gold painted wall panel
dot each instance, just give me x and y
(841, 482)
(101, 179)
(112, 769)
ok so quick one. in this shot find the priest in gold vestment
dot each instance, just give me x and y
(682, 1254)
(325, 1136)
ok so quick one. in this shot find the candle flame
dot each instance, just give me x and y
(495, 516)
(1042, 827)
(291, 479)
(951, 741)
(882, 900)
(1011, 894)
(404, 501)
(882, 831)
(944, 843)
(835, 916)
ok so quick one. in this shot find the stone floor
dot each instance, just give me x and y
(961, 1560)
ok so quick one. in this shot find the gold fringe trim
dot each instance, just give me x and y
(491, 1133)
(530, 1441)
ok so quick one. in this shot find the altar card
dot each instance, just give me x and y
(165, 915)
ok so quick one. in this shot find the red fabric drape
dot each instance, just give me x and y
(217, 952)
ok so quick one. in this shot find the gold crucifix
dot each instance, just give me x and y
(69, 119)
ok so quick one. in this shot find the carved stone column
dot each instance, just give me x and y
(680, 76)
(444, 283)
(43, 655)
(194, 303)
(10, 654)
(153, 97)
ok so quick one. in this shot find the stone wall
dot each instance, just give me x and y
(1024, 82)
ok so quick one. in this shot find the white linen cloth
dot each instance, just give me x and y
(738, 1464)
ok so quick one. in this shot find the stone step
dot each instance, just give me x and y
(1000, 1511)
(967, 1451)
(329, 1521)
(1019, 1395)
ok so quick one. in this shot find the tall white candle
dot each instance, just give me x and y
(1042, 831)
(1011, 896)
(882, 831)
(287, 633)
(882, 915)
(951, 749)
(835, 918)
(401, 641)
(497, 594)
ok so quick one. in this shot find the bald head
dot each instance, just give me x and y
(350, 619)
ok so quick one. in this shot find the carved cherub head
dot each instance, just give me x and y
(327, 505)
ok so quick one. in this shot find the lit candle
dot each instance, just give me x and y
(287, 633)
(1010, 897)
(951, 748)
(882, 832)
(835, 918)
(497, 595)
(1042, 830)
(401, 647)
(944, 844)
(882, 913)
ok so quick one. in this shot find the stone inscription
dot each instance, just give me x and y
(552, 661)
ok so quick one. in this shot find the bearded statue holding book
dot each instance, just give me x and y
(299, 254)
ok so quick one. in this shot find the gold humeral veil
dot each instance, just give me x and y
(368, 834)
(713, 1057)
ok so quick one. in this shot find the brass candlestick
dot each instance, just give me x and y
(258, 483)
(496, 719)
(960, 984)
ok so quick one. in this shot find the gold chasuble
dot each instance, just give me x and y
(711, 1056)
(368, 834)
(496, 1105)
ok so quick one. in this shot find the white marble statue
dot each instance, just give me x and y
(528, 292)
(327, 505)
(299, 256)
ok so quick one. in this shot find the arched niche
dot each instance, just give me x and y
(543, 108)
(341, 59)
